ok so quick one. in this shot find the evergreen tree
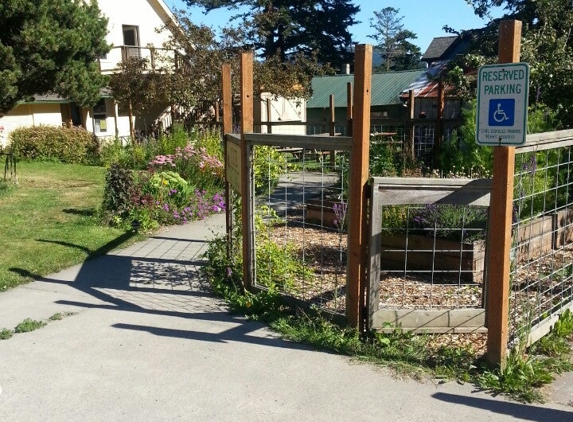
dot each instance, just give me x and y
(50, 46)
(393, 41)
(284, 28)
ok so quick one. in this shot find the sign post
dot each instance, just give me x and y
(499, 230)
(503, 91)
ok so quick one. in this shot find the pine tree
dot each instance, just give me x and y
(393, 41)
(284, 28)
(50, 46)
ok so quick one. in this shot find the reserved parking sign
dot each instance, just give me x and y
(503, 91)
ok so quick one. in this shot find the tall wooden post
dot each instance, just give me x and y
(411, 126)
(499, 238)
(349, 105)
(355, 296)
(227, 128)
(439, 132)
(247, 199)
(269, 111)
(227, 100)
(332, 128)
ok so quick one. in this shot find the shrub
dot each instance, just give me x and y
(136, 154)
(52, 143)
(154, 199)
(268, 165)
(388, 159)
(119, 192)
(454, 222)
(461, 155)
(194, 165)
(211, 140)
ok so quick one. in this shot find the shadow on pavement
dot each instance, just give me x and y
(519, 411)
(148, 283)
(238, 333)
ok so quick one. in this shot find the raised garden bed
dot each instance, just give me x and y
(427, 255)
(321, 212)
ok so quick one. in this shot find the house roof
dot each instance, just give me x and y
(56, 99)
(165, 11)
(438, 48)
(425, 85)
(386, 88)
(46, 99)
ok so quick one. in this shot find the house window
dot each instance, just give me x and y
(100, 116)
(130, 41)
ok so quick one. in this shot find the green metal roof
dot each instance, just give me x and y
(386, 88)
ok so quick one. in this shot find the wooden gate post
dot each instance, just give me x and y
(349, 110)
(246, 154)
(356, 274)
(227, 128)
(411, 126)
(269, 112)
(499, 238)
(332, 128)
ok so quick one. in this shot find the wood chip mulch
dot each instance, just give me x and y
(324, 252)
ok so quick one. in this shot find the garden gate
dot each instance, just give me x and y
(305, 236)
(427, 278)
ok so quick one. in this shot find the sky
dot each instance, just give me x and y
(425, 18)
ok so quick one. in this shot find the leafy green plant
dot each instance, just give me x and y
(460, 154)
(119, 192)
(167, 185)
(389, 159)
(519, 378)
(28, 325)
(557, 342)
(268, 165)
(6, 334)
(277, 263)
(210, 140)
(53, 143)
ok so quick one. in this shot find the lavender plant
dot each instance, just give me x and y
(454, 222)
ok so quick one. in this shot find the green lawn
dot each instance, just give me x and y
(50, 221)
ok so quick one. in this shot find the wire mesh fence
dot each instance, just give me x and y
(432, 256)
(542, 249)
(300, 197)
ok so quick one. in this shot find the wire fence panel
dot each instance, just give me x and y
(542, 247)
(427, 253)
(300, 219)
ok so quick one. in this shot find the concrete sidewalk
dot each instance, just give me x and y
(148, 342)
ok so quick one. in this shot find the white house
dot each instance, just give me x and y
(131, 31)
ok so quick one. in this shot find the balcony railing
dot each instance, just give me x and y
(155, 56)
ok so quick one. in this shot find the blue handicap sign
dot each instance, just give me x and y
(501, 112)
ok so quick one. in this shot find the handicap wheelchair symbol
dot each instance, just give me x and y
(501, 112)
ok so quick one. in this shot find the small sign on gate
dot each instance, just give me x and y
(233, 165)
